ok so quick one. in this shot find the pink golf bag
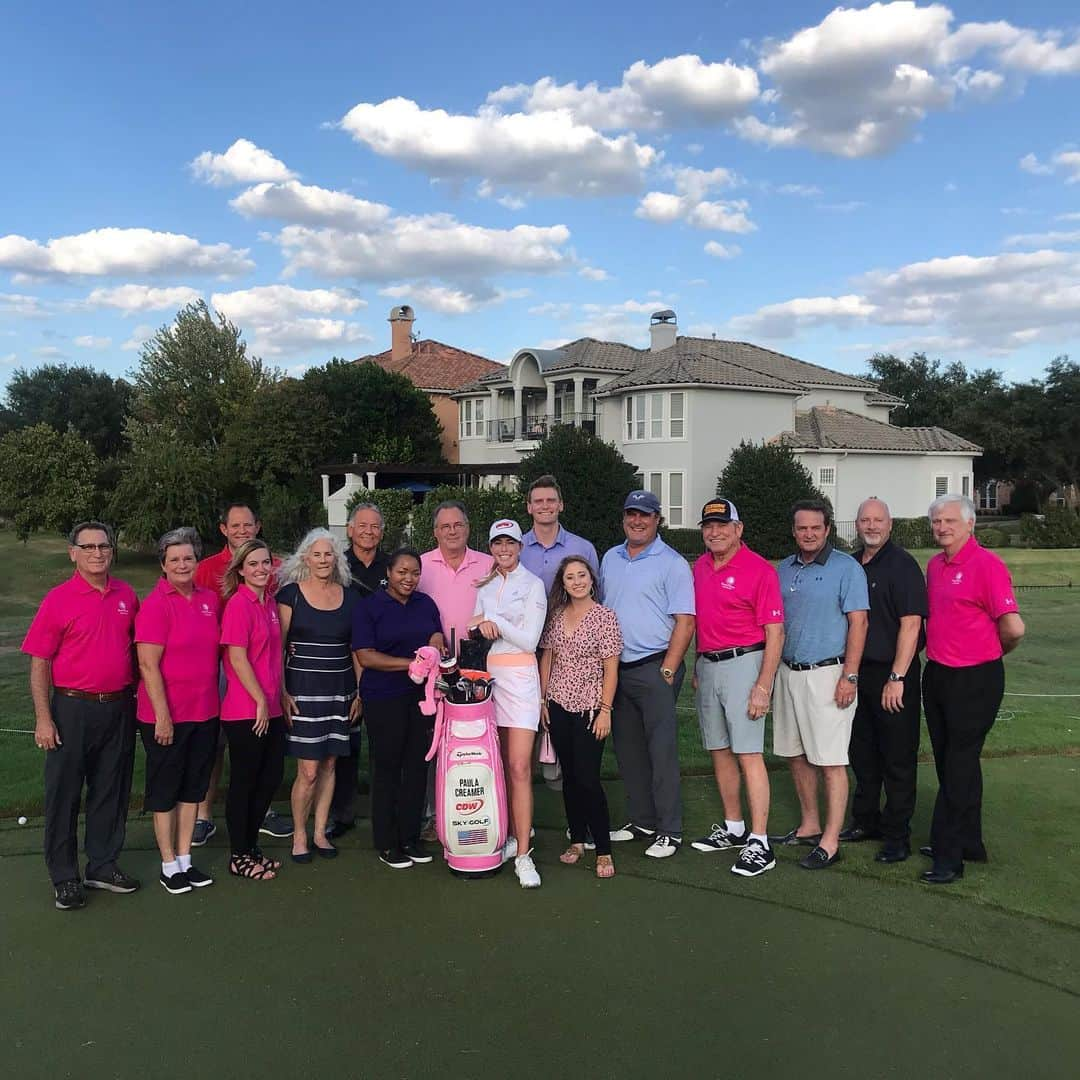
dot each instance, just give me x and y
(470, 790)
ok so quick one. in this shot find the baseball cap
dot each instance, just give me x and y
(645, 501)
(719, 510)
(505, 527)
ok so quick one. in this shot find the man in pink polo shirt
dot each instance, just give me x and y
(972, 623)
(448, 574)
(82, 678)
(740, 632)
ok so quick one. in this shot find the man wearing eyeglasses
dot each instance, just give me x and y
(82, 681)
(826, 602)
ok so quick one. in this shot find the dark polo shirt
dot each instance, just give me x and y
(897, 588)
(367, 579)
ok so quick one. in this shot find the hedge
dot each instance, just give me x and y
(395, 505)
(1058, 528)
(483, 505)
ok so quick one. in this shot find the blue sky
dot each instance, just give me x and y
(827, 182)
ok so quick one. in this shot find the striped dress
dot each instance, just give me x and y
(319, 674)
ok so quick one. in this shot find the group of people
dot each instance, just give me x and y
(277, 658)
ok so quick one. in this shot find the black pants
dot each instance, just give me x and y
(884, 753)
(97, 745)
(961, 705)
(400, 736)
(256, 766)
(580, 753)
(344, 806)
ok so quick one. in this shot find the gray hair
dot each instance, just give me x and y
(98, 526)
(966, 506)
(367, 506)
(450, 504)
(870, 499)
(295, 567)
(176, 537)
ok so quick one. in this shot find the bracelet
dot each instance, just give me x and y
(605, 705)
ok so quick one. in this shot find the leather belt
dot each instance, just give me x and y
(730, 654)
(655, 658)
(820, 663)
(87, 695)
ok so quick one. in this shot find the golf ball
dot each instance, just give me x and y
(22, 821)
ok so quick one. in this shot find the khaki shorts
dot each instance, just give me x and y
(806, 718)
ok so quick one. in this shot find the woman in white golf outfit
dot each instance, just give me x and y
(510, 610)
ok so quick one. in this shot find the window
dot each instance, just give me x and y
(941, 486)
(656, 485)
(965, 485)
(471, 419)
(655, 416)
(675, 499)
(826, 475)
(988, 495)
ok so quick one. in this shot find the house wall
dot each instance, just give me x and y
(446, 412)
(907, 482)
(852, 400)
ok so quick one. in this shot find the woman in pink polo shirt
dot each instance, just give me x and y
(251, 711)
(176, 636)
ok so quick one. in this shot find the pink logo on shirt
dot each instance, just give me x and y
(728, 582)
(958, 577)
(122, 608)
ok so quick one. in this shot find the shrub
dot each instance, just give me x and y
(992, 538)
(396, 507)
(912, 532)
(1024, 499)
(483, 505)
(685, 541)
(1058, 528)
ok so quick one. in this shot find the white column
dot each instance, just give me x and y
(325, 488)
(579, 395)
(550, 401)
(371, 481)
(517, 412)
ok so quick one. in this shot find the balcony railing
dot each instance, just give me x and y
(510, 429)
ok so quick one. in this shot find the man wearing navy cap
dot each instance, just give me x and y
(649, 586)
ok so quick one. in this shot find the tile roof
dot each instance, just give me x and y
(826, 427)
(677, 367)
(879, 397)
(433, 365)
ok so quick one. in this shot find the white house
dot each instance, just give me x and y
(677, 409)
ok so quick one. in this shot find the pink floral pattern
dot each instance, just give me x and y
(577, 668)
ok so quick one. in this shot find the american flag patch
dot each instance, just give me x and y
(472, 836)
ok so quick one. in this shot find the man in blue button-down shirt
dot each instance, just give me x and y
(826, 602)
(651, 590)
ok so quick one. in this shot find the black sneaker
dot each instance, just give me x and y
(396, 860)
(630, 831)
(175, 883)
(275, 824)
(69, 895)
(719, 839)
(203, 831)
(114, 881)
(197, 878)
(755, 858)
(417, 852)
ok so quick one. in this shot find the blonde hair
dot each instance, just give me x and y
(231, 581)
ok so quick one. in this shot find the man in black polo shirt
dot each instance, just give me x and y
(367, 564)
(885, 734)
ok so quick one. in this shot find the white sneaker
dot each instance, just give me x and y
(525, 869)
(510, 849)
(663, 847)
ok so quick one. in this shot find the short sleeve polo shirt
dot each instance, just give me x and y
(735, 602)
(818, 596)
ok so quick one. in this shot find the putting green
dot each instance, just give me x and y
(348, 968)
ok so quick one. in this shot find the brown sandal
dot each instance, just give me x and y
(605, 867)
(572, 854)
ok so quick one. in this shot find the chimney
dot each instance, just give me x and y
(401, 320)
(663, 330)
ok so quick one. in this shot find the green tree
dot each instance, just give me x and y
(763, 480)
(594, 477)
(75, 397)
(165, 481)
(196, 376)
(47, 479)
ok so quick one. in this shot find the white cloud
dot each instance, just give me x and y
(121, 251)
(1071, 216)
(242, 163)
(26, 307)
(50, 352)
(306, 204)
(627, 321)
(677, 91)
(1043, 239)
(89, 341)
(994, 303)
(8, 359)
(1031, 164)
(722, 251)
(548, 153)
(290, 337)
(133, 298)
(593, 273)
(448, 300)
(806, 191)
(688, 202)
(438, 245)
(266, 303)
(140, 335)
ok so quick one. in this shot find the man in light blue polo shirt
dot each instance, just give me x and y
(651, 590)
(826, 606)
(547, 543)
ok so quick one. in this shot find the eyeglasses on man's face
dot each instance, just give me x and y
(90, 548)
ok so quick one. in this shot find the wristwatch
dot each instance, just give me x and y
(853, 679)
(667, 673)
(893, 677)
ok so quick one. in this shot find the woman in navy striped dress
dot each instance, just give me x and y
(315, 606)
